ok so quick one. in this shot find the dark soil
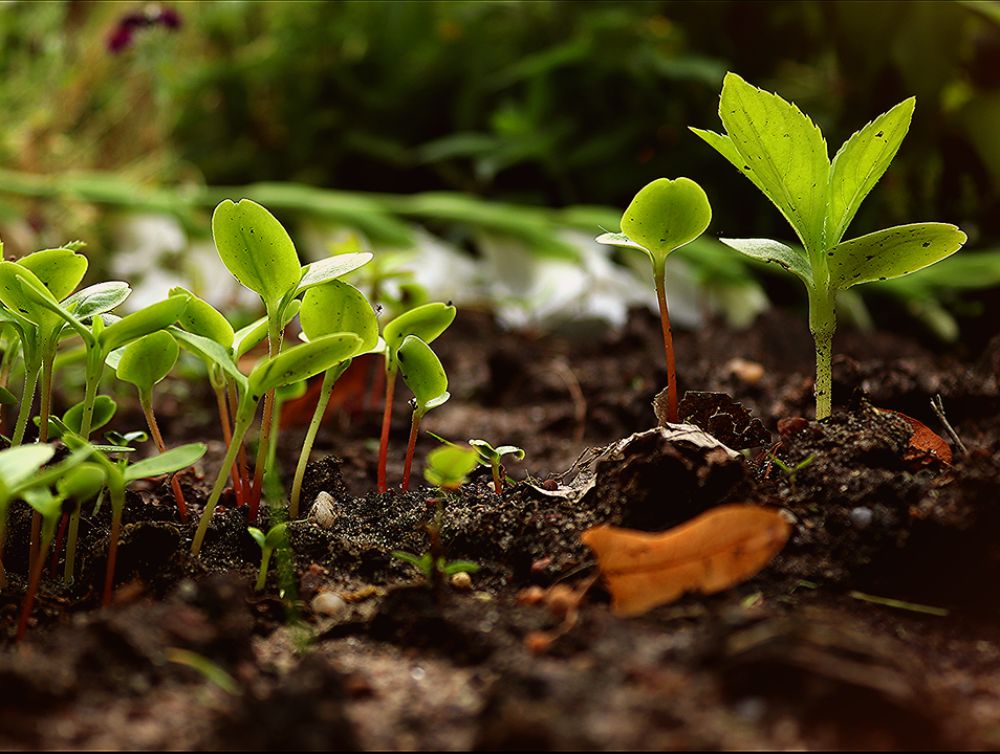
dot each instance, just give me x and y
(876, 627)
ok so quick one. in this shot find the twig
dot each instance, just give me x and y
(913, 607)
(937, 406)
(576, 394)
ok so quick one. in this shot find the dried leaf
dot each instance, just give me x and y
(712, 552)
(926, 446)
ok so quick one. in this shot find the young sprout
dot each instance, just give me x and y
(276, 537)
(330, 308)
(258, 251)
(297, 363)
(432, 571)
(449, 466)
(493, 457)
(792, 472)
(427, 322)
(57, 272)
(79, 484)
(17, 466)
(665, 215)
(144, 363)
(784, 154)
(423, 374)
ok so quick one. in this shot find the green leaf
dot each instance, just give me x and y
(41, 499)
(774, 252)
(427, 322)
(82, 482)
(154, 317)
(302, 361)
(97, 299)
(168, 462)
(784, 150)
(892, 253)
(449, 465)
(23, 294)
(724, 146)
(258, 536)
(210, 351)
(422, 562)
(277, 536)
(59, 270)
(460, 566)
(201, 318)
(666, 214)
(621, 240)
(246, 338)
(423, 374)
(20, 463)
(147, 360)
(325, 270)
(859, 164)
(257, 250)
(339, 307)
(7, 398)
(104, 411)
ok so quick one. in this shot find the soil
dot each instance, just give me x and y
(876, 627)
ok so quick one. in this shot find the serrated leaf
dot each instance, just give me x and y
(201, 318)
(339, 307)
(97, 299)
(667, 214)
(422, 372)
(302, 361)
(724, 146)
(154, 317)
(859, 164)
(331, 268)
(147, 360)
(892, 253)
(167, 462)
(774, 252)
(784, 150)
(256, 249)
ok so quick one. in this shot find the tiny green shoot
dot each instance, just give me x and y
(276, 537)
(664, 216)
(783, 153)
(493, 458)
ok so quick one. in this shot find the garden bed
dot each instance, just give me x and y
(875, 627)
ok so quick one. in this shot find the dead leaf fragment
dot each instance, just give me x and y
(716, 550)
(926, 446)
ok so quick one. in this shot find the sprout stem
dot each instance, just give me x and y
(71, 540)
(823, 323)
(497, 476)
(29, 596)
(243, 421)
(60, 536)
(34, 550)
(410, 447)
(27, 399)
(329, 380)
(242, 457)
(146, 402)
(265, 561)
(117, 489)
(46, 400)
(383, 450)
(95, 368)
(668, 339)
(266, 426)
(227, 438)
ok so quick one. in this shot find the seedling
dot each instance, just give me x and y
(144, 363)
(431, 570)
(784, 154)
(790, 471)
(259, 253)
(297, 363)
(448, 467)
(326, 309)
(17, 466)
(276, 537)
(423, 374)
(78, 485)
(665, 215)
(493, 458)
(427, 322)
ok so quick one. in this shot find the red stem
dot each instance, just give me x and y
(227, 437)
(54, 563)
(410, 447)
(109, 573)
(33, 543)
(29, 597)
(383, 450)
(154, 430)
(668, 345)
(497, 479)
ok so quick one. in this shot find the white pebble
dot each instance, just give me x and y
(328, 604)
(323, 511)
(862, 517)
(461, 580)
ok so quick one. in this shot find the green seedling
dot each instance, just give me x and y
(57, 273)
(326, 309)
(276, 538)
(493, 458)
(427, 322)
(423, 374)
(77, 486)
(432, 570)
(784, 154)
(449, 466)
(293, 365)
(258, 251)
(790, 471)
(665, 215)
(144, 363)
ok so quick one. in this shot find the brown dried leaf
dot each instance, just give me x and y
(926, 446)
(716, 550)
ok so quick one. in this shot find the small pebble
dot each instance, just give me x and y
(747, 372)
(461, 580)
(862, 517)
(328, 604)
(323, 511)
